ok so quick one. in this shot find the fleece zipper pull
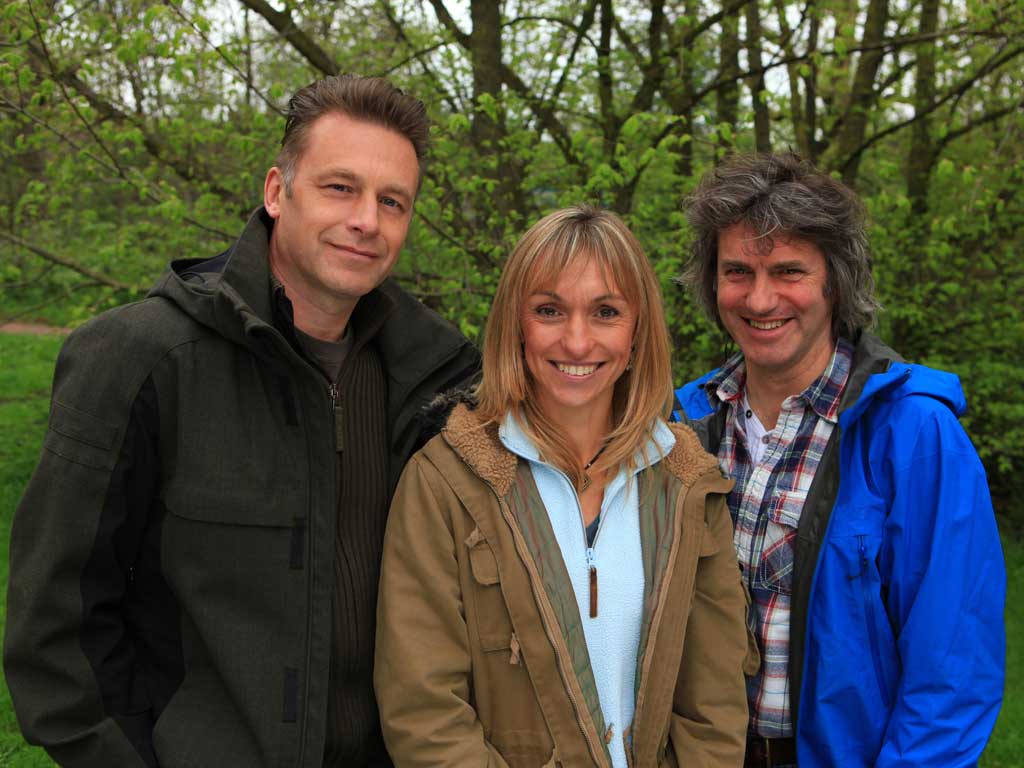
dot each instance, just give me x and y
(593, 582)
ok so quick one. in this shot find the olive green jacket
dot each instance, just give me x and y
(480, 660)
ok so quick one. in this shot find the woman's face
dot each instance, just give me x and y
(577, 339)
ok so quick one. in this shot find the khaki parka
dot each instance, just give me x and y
(478, 656)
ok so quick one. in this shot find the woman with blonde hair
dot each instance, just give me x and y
(559, 585)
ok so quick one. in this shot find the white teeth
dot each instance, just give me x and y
(767, 326)
(576, 370)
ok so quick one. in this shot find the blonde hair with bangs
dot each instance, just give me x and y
(642, 395)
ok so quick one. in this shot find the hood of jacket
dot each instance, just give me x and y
(232, 295)
(877, 372)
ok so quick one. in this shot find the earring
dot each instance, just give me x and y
(632, 355)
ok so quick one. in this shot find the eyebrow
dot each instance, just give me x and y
(603, 297)
(345, 173)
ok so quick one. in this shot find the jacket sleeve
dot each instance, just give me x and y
(946, 597)
(422, 669)
(709, 717)
(68, 654)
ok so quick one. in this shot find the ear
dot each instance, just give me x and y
(273, 189)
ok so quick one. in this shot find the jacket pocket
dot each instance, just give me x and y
(490, 614)
(857, 539)
(880, 639)
(524, 749)
(238, 505)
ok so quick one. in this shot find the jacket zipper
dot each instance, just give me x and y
(652, 632)
(869, 616)
(332, 394)
(547, 620)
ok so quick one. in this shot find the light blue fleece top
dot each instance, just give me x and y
(613, 636)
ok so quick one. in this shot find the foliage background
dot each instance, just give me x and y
(138, 131)
(134, 132)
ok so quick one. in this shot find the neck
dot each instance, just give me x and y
(766, 390)
(313, 313)
(585, 433)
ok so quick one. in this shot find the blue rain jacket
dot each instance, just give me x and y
(897, 647)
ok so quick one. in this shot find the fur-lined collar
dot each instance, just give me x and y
(479, 446)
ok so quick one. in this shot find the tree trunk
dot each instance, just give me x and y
(922, 149)
(727, 97)
(758, 93)
(862, 94)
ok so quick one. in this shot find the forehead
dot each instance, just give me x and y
(361, 146)
(572, 275)
(743, 243)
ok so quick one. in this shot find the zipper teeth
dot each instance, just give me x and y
(332, 392)
(596, 750)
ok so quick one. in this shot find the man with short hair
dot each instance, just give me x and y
(863, 522)
(194, 564)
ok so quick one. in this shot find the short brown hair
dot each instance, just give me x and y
(642, 394)
(372, 99)
(782, 196)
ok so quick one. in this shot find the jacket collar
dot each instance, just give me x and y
(232, 294)
(879, 373)
(480, 446)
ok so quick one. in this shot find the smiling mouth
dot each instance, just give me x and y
(769, 325)
(356, 251)
(577, 370)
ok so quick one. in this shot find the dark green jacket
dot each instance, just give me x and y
(172, 560)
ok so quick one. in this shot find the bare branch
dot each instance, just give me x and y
(419, 55)
(246, 78)
(49, 301)
(285, 25)
(64, 262)
(141, 185)
(994, 63)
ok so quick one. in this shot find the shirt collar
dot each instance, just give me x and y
(823, 394)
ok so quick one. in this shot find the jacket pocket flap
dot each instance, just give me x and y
(80, 437)
(481, 560)
(238, 506)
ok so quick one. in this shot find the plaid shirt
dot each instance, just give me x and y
(766, 505)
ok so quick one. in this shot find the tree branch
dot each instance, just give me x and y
(285, 25)
(962, 87)
(65, 262)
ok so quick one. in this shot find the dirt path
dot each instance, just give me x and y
(34, 329)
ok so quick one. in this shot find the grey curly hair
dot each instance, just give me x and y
(783, 196)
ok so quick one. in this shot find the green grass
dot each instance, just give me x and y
(24, 394)
(1006, 748)
(24, 401)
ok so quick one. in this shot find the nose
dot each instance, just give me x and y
(364, 216)
(762, 297)
(577, 340)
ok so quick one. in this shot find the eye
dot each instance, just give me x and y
(608, 313)
(546, 310)
(390, 202)
(735, 271)
(339, 187)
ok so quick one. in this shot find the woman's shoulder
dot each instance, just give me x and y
(688, 460)
(467, 441)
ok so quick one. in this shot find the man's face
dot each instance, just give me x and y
(338, 233)
(773, 304)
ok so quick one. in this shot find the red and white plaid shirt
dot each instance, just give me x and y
(766, 505)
